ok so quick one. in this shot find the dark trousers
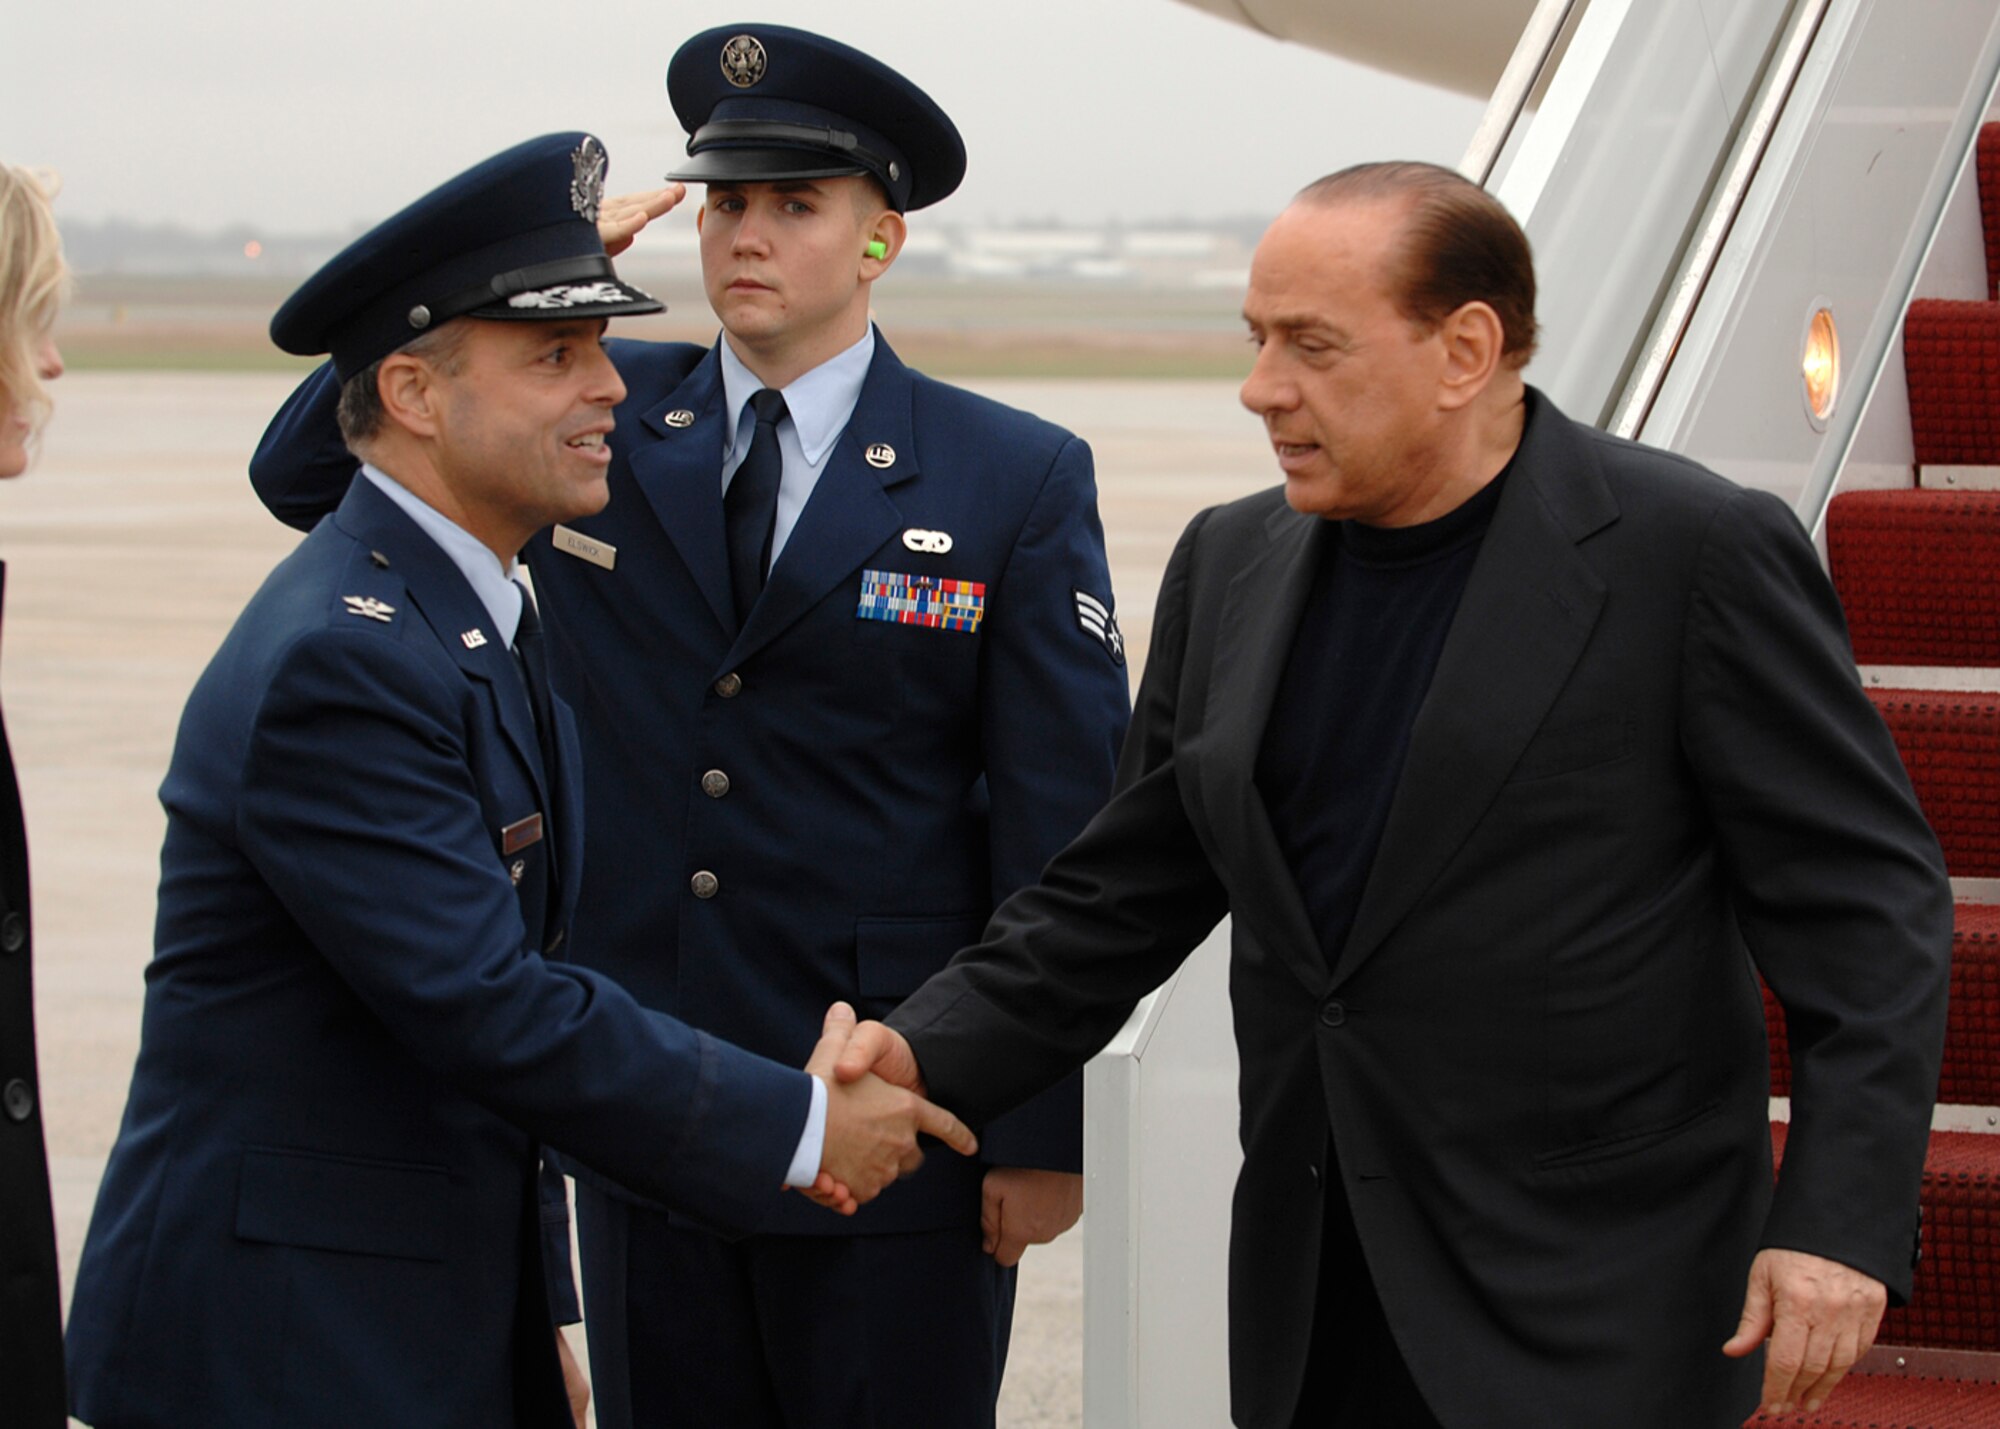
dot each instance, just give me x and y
(689, 1331)
(1356, 1377)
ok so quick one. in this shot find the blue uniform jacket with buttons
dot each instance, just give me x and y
(321, 1208)
(852, 794)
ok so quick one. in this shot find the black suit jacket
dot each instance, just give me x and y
(30, 1320)
(1540, 1055)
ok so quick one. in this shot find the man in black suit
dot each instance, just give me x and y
(1503, 742)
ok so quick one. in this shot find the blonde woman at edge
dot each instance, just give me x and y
(33, 282)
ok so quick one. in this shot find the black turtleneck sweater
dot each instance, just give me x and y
(1381, 603)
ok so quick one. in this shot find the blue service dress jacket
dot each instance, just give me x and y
(322, 1206)
(827, 802)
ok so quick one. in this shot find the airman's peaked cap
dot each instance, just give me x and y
(766, 103)
(514, 238)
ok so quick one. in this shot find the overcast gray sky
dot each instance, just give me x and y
(299, 117)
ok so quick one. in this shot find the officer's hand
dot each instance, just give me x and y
(878, 1048)
(872, 1130)
(574, 1384)
(834, 1032)
(1021, 1206)
(620, 219)
(1820, 1316)
(871, 1125)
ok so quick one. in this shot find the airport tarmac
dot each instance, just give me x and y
(130, 547)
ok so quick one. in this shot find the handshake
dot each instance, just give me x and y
(875, 1110)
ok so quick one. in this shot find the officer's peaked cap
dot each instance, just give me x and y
(766, 103)
(514, 238)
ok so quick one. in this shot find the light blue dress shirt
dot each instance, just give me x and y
(494, 584)
(817, 407)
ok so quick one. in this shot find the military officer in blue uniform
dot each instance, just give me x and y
(322, 1206)
(844, 654)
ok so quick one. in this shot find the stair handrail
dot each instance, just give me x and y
(1752, 142)
(1532, 53)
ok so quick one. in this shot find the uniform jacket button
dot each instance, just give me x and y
(19, 1099)
(715, 783)
(704, 884)
(1332, 1012)
(729, 686)
(13, 933)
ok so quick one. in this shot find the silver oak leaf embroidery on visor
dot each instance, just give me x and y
(569, 296)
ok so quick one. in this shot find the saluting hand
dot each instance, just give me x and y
(620, 219)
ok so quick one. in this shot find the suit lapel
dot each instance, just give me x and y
(447, 603)
(679, 472)
(1527, 612)
(849, 514)
(1260, 618)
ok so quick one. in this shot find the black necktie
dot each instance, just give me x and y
(532, 657)
(534, 661)
(750, 509)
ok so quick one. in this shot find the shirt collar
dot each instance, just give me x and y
(819, 402)
(492, 582)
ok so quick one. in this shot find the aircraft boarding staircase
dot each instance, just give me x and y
(1918, 571)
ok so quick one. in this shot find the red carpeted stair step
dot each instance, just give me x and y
(1956, 1301)
(1917, 573)
(1894, 1402)
(1950, 743)
(1951, 356)
(1971, 1075)
(1989, 202)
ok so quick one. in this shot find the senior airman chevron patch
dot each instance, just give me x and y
(1096, 619)
(930, 601)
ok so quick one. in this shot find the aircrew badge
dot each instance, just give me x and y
(586, 185)
(929, 601)
(1097, 620)
(368, 607)
(743, 61)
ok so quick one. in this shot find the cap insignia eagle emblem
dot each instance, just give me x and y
(743, 61)
(586, 184)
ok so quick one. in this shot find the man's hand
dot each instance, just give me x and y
(1821, 1316)
(875, 1047)
(1021, 1206)
(620, 219)
(871, 1125)
(574, 1384)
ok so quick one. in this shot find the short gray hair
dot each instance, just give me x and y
(360, 413)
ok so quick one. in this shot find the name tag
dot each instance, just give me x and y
(598, 553)
(519, 834)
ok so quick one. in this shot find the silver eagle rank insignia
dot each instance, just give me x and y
(368, 607)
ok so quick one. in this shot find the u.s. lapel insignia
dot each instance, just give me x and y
(598, 553)
(881, 455)
(679, 417)
(933, 543)
(473, 639)
(369, 607)
(1097, 620)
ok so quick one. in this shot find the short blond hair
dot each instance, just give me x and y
(34, 281)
